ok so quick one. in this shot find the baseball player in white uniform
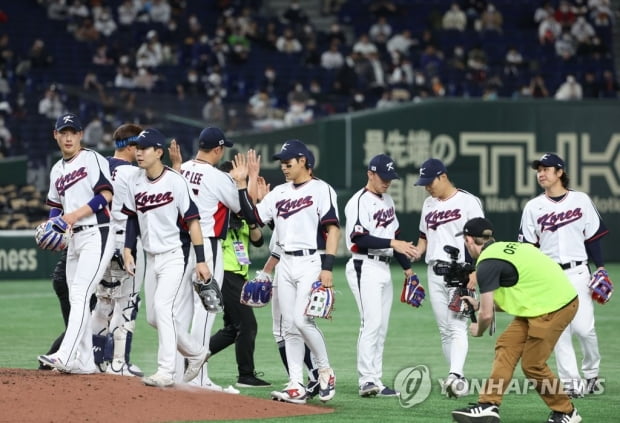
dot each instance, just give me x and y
(372, 232)
(114, 316)
(567, 227)
(216, 195)
(161, 210)
(444, 214)
(301, 203)
(80, 190)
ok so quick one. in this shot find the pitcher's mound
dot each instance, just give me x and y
(45, 396)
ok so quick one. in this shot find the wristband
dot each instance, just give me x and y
(328, 262)
(200, 253)
(97, 203)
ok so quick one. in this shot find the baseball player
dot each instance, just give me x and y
(114, 316)
(160, 206)
(216, 196)
(80, 190)
(444, 213)
(297, 208)
(372, 238)
(567, 227)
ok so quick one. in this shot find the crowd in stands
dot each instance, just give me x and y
(240, 64)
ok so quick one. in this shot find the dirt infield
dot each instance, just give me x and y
(44, 396)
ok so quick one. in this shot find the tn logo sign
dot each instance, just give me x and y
(414, 385)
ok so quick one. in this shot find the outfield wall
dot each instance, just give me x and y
(487, 147)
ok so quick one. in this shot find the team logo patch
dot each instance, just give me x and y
(65, 182)
(146, 202)
(287, 208)
(437, 218)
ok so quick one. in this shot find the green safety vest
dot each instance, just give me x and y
(228, 250)
(542, 287)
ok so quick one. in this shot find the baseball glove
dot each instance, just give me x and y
(601, 286)
(53, 234)
(413, 291)
(209, 294)
(257, 292)
(321, 301)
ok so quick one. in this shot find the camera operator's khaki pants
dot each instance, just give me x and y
(531, 340)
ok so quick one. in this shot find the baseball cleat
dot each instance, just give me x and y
(557, 417)
(477, 413)
(312, 388)
(120, 368)
(294, 393)
(327, 384)
(455, 386)
(194, 364)
(160, 380)
(251, 381)
(369, 389)
(54, 362)
(388, 392)
(594, 386)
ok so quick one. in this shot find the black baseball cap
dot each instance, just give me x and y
(477, 227)
(429, 170)
(548, 160)
(68, 120)
(292, 149)
(384, 166)
(151, 137)
(212, 137)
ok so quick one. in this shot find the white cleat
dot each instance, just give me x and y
(120, 368)
(159, 380)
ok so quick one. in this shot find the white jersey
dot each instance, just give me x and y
(74, 182)
(216, 193)
(560, 228)
(297, 212)
(121, 172)
(163, 207)
(442, 219)
(367, 213)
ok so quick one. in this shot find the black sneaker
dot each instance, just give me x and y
(251, 381)
(593, 386)
(312, 388)
(557, 417)
(477, 413)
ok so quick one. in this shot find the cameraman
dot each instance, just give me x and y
(443, 214)
(519, 279)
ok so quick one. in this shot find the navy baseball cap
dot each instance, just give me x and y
(310, 159)
(477, 227)
(212, 137)
(429, 170)
(384, 166)
(151, 137)
(292, 149)
(548, 160)
(68, 120)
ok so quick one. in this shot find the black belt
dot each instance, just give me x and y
(81, 228)
(571, 264)
(110, 284)
(384, 259)
(121, 232)
(299, 253)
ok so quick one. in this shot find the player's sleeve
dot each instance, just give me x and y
(595, 228)
(527, 228)
(227, 190)
(101, 180)
(185, 199)
(329, 211)
(129, 202)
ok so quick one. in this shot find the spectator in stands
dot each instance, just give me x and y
(331, 7)
(491, 19)
(564, 15)
(458, 60)
(454, 18)
(583, 33)
(239, 45)
(127, 13)
(75, 13)
(214, 112)
(387, 8)
(101, 57)
(51, 105)
(364, 46)
(380, 31)
(335, 32)
(420, 87)
(215, 82)
(477, 63)
(192, 86)
(149, 53)
(473, 10)
(401, 42)
(357, 102)
(160, 11)
(431, 60)
(385, 102)
(145, 79)
(5, 139)
(609, 85)
(542, 12)
(124, 75)
(513, 62)
(93, 133)
(311, 56)
(590, 87)
(332, 58)
(437, 87)
(295, 16)
(538, 87)
(288, 42)
(549, 31)
(298, 113)
(57, 10)
(565, 47)
(401, 73)
(104, 23)
(268, 36)
(569, 89)
(86, 31)
(39, 56)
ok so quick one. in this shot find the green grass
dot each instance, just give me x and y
(31, 320)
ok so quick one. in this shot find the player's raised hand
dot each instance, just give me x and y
(239, 171)
(253, 163)
(176, 158)
(263, 188)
